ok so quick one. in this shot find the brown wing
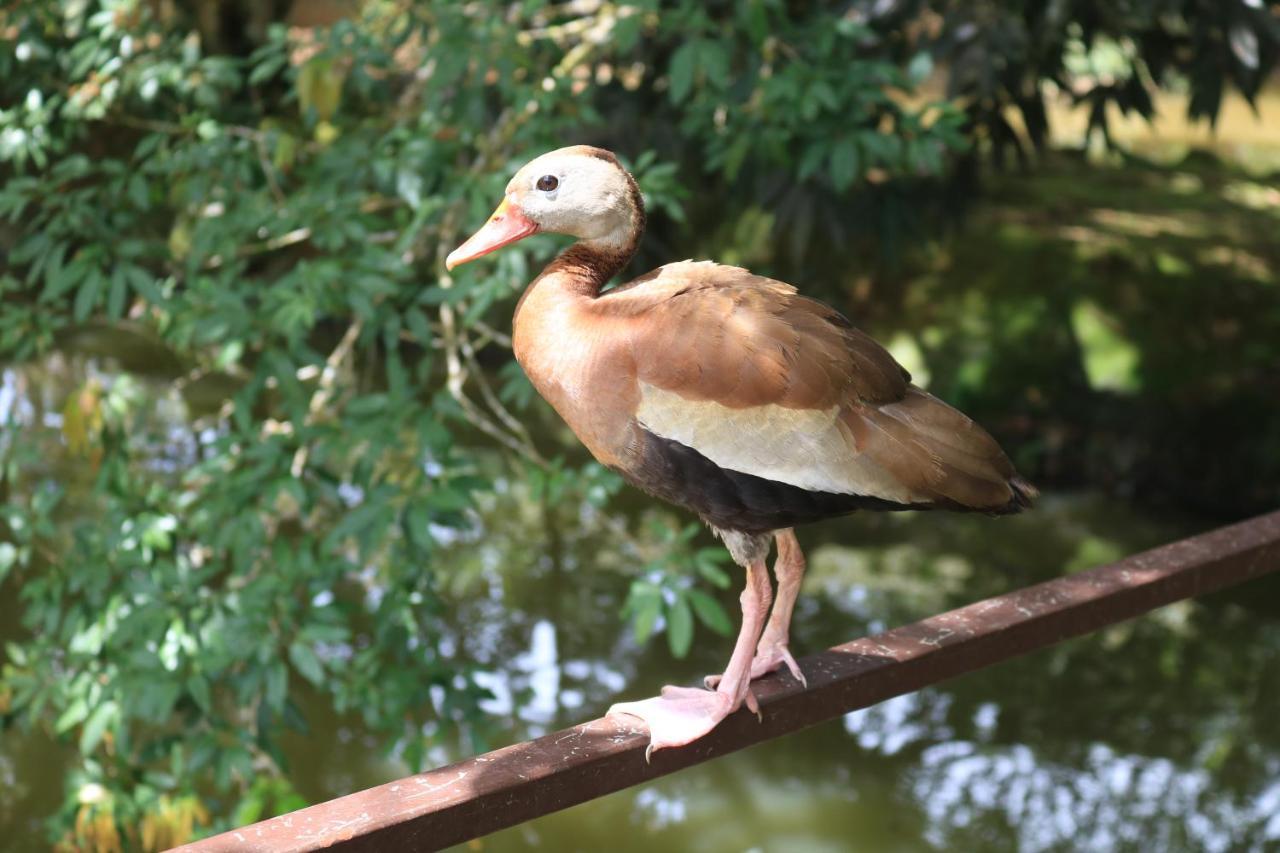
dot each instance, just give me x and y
(720, 333)
(762, 380)
(938, 452)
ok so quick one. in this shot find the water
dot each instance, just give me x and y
(1155, 734)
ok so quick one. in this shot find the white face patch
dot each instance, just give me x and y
(807, 448)
(589, 200)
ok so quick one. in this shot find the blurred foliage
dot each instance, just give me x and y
(666, 589)
(1005, 60)
(1144, 357)
(261, 207)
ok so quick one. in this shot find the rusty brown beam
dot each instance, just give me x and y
(505, 787)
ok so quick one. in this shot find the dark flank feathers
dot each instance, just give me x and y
(732, 500)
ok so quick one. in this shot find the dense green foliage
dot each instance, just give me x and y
(274, 221)
(264, 210)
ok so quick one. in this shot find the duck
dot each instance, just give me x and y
(730, 395)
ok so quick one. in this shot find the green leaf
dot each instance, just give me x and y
(198, 687)
(644, 603)
(844, 165)
(416, 521)
(679, 626)
(136, 191)
(305, 661)
(102, 716)
(680, 74)
(88, 294)
(713, 59)
(755, 19)
(707, 561)
(277, 685)
(626, 32)
(229, 355)
(319, 87)
(416, 322)
(8, 558)
(116, 295)
(811, 161)
(736, 154)
(53, 268)
(17, 654)
(409, 187)
(267, 68)
(73, 716)
(709, 612)
(144, 284)
(881, 149)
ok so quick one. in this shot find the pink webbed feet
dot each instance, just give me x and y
(679, 716)
(768, 658)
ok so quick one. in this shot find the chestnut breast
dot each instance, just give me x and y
(581, 363)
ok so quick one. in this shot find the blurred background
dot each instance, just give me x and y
(280, 518)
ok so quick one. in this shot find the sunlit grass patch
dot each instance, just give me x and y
(1110, 359)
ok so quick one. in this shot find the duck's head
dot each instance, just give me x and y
(580, 191)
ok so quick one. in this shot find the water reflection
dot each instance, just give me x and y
(1112, 801)
(902, 720)
(1106, 742)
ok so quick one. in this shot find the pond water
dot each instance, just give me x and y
(1155, 734)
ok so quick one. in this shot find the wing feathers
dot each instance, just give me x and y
(807, 448)
(935, 450)
(756, 341)
(763, 381)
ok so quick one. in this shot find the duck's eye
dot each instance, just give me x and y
(547, 183)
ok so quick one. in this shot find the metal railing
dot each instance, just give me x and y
(507, 786)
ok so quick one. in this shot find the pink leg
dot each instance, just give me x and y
(789, 569)
(681, 715)
(772, 652)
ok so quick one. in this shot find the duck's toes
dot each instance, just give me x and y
(767, 659)
(679, 716)
(773, 656)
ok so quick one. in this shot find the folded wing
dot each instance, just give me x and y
(763, 381)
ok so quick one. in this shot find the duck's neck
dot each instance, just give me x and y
(586, 267)
(561, 336)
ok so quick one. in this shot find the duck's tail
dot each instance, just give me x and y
(941, 455)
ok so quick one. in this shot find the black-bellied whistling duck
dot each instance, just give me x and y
(729, 394)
